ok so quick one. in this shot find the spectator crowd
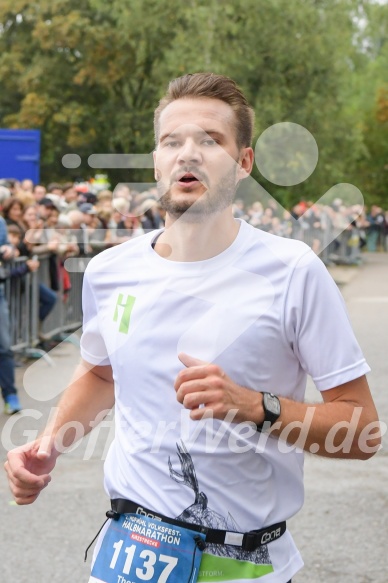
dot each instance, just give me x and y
(75, 219)
(79, 220)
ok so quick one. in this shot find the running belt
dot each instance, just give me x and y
(248, 541)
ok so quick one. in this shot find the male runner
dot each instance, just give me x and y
(201, 335)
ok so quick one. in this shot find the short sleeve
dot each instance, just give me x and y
(318, 327)
(93, 348)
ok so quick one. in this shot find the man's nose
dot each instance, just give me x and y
(190, 153)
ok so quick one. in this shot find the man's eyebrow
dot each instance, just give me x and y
(168, 135)
(210, 132)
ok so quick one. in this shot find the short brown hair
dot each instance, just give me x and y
(215, 87)
(14, 230)
(10, 203)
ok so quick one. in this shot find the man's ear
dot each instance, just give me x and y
(247, 157)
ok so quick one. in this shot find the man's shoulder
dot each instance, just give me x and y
(289, 251)
(120, 254)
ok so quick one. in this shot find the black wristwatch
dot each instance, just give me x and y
(271, 406)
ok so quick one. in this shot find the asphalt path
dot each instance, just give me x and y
(342, 530)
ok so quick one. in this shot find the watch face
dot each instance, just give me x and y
(272, 404)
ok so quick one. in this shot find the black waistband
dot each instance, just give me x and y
(248, 541)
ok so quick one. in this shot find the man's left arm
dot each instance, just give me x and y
(345, 425)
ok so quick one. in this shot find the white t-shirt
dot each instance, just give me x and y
(265, 310)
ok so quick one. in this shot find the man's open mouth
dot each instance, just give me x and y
(188, 178)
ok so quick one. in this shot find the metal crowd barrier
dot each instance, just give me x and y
(23, 302)
(332, 245)
(66, 315)
(22, 294)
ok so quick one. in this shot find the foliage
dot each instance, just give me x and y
(369, 103)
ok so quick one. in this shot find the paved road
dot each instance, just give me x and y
(342, 531)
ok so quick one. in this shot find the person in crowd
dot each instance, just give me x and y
(148, 215)
(385, 231)
(362, 224)
(129, 227)
(30, 265)
(299, 223)
(287, 224)
(67, 246)
(70, 197)
(80, 231)
(276, 227)
(86, 197)
(35, 242)
(25, 197)
(239, 209)
(123, 191)
(353, 247)
(104, 206)
(56, 229)
(120, 208)
(55, 188)
(162, 215)
(58, 201)
(104, 209)
(274, 206)
(12, 184)
(39, 192)
(27, 185)
(76, 218)
(104, 214)
(255, 214)
(33, 225)
(96, 232)
(45, 207)
(13, 213)
(209, 326)
(266, 220)
(312, 217)
(52, 218)
(375, 226)
(7, 363)
(105, 201)
(4, 195)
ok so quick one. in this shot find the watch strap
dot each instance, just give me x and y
(270, 417)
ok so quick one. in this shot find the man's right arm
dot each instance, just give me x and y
(90, 392)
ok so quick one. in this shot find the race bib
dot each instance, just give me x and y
(136, 548)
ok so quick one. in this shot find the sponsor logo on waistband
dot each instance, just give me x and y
(270, 536)
(140, 510)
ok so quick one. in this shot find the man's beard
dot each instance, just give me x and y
(209, 203)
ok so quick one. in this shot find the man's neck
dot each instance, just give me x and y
(186, 241)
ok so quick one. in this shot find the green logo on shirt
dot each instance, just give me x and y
(127, 306)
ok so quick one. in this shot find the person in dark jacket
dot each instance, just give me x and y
(7, 363)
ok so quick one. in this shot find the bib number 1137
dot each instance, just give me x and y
(147, 570)
(137, 549)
